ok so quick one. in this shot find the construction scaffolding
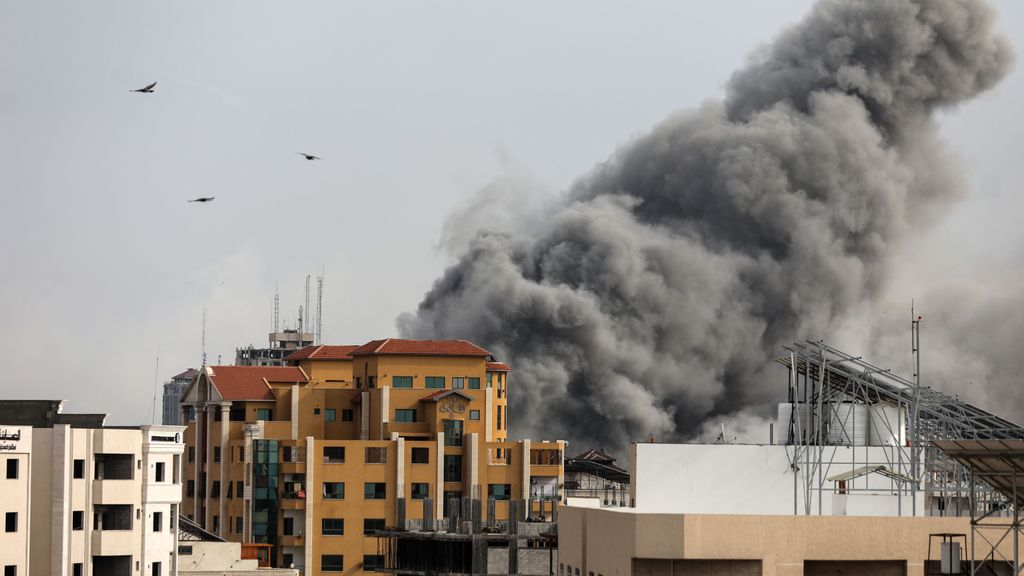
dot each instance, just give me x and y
(828, 388)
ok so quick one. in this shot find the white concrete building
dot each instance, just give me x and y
(90, 500)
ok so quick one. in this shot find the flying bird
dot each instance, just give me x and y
(146, 90)
(309, 156)
(204, 199)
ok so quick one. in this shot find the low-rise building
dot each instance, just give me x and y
(81, 498)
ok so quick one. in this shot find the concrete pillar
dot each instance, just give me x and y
(399, 481)
(439, 510)
(428, 514)
(311, 493)
(60, 531)
(364, 415)
(526, 479)
(207, 466)
(489, 414)
(385, 407)
(295, 412)
(225, 461)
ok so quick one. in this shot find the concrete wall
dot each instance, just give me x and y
(15, 446)
(761, 479)
(604, 541)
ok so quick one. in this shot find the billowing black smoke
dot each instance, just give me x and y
(656, 293)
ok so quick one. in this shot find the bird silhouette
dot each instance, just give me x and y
(204, 199)
(309, 156)
(146, 90)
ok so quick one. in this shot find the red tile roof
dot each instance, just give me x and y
(252, 382)
(396, 346)
(498, 367)
(322, 352)
(435, 396)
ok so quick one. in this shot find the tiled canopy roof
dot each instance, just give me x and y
(396, 346)
(252, 382)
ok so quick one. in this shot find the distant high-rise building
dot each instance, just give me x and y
(172, 397)
(281, 344)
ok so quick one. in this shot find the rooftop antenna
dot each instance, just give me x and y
(156, 388)
(277, 309)
(204, 336)
(319, 308)
(306, 308)
(300, 322)
(915, 348)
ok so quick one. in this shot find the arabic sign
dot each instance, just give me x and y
(10, 438)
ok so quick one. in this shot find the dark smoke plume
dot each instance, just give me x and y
(655, 295)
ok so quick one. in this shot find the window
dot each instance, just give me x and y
(216, 523)
(230, 485)
(216, 454)
(434, 381)
(184, 550)
(405, 415)
(420, 490)
(11, 522)
(346, 415)
(157, 569)
(332, 563)
(191, 488)
(458, 382)
(371, 381)
(77, 569)
(334, 490)
(499, 491)
(375, 491)
(474, 383)
(191, 454)
(372, 561)
(241, 453)
(474, 414)
(489, 375)
(334, 454)
(371, 525)
(160, 471)
(453, 432)
(238, 525)
(453, 468)
(239, 488)
(78, 520)
(10, 570)
(421, 456)
(289, 526)
(215, 489)
(264, 413)
(401, 381)
(499, 417)
(333, 527)
(12, 468)
(377, 455)
(316, 411)
(330, 415)
(79, 467)
(158, 521)
(289, 559)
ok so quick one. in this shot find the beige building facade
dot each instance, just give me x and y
(89, 499)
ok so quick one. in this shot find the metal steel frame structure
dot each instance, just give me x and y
(821, 377)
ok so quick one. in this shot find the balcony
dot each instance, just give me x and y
(113, 542)
(163, 492)
(117, 491)
(293, 540)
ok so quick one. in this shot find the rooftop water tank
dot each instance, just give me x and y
(887, 425)
(848, 424)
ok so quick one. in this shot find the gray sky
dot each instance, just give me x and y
(414, 108)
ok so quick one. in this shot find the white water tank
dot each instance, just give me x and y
(887, 425)
(788, 429)
(848, 424)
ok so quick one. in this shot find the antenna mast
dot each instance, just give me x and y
(204, 336)
(319, 308)
(306, 307)
(915, 433)
(277, 308)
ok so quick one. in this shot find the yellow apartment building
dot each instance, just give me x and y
(315, 457)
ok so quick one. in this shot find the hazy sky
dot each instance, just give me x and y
(414, 107)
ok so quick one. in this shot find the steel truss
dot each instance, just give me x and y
(821, 378)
